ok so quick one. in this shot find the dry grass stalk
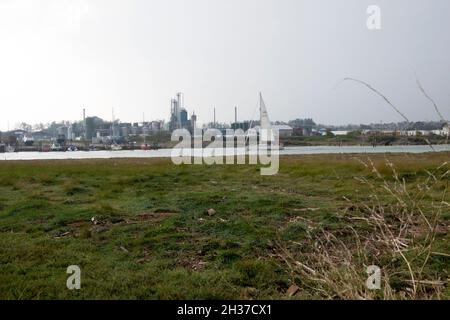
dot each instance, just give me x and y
(395, 229)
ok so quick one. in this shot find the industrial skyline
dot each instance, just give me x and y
(60, 56)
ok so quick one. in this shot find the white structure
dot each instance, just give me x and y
(340, 132)
(265, 123)
(283, 130)
(445, 131)
(70, 133)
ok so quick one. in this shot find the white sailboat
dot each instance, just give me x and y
(267, 133)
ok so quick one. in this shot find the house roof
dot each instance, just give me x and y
(282, 127)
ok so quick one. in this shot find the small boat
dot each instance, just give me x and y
(28, 140)
(72, 148)
(116, 147)
(56, 147)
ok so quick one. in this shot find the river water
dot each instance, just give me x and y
(167, 153)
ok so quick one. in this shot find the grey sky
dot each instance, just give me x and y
(56, 56)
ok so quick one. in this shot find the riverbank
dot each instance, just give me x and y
(142, 228)
(353, 139)
(163, 141)
(167, 153)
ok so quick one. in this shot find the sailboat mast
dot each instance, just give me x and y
(251, 121)
(260, 111)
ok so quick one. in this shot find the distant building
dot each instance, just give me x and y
(340, 132)
(244, 126)
(445, 131)
(413, 133)
(28, 141)
(101, 136)
(284, 130)
(70, 133)
(184, 118)
(92, 124)
(115, 131)
(179, 115)
(193, 121)
(319, 132)
(135, 129)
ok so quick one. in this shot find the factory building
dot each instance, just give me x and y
(179, 118)
(183, 117)
(283, 130)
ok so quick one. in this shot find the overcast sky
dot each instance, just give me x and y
(57, 56)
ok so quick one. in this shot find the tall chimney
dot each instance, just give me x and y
(180, 105)
(235, 116)
(84, 121)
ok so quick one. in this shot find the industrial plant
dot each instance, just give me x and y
(179, 115)
(94, 133)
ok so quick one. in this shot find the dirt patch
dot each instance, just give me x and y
(305, 209)
(420, 230)
(78, 224)
(193, 263)
(97, 226)
(142, 217)
(153, 216)
(146, 256)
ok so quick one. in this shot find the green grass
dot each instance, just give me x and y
(153, 239)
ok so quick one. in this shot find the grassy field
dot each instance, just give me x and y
(308, 232)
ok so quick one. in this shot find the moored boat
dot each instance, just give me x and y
(116, 147)
(56, 147)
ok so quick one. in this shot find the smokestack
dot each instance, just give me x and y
(180, 105)
(235, 115)
(180, 99)
(84, 121)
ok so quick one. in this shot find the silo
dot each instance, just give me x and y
(115, 131)
(193, 121)
(70, 133)
(183, 117)
(156, 126)
(180, 100)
